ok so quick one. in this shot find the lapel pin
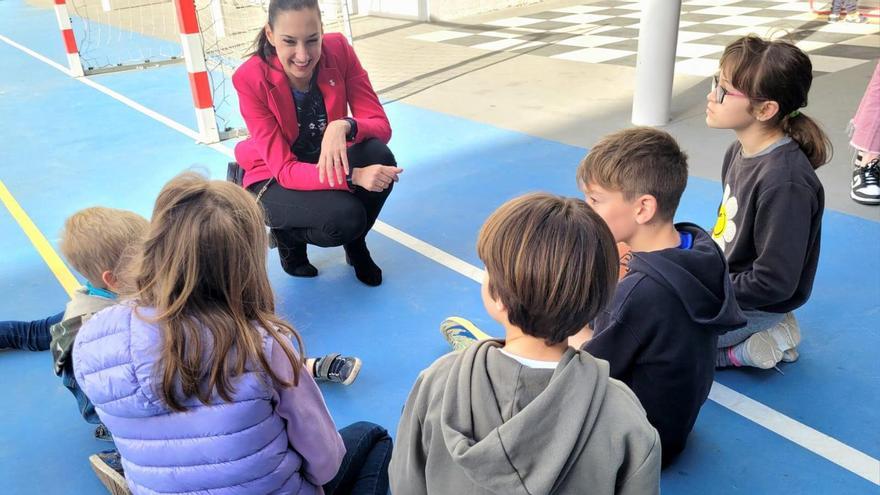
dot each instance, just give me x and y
(332, 82)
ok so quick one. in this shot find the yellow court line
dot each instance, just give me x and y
(56, 264)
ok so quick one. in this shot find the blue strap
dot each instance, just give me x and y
(95, 291)
(687, 240)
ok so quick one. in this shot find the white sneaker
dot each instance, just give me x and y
(786, 334)
(759, 351)
(833, 17)
(790, 355)
(856, 18)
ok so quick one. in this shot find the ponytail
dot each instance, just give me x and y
(261, 47)
(809, 136)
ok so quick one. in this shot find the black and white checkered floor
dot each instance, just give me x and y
(606, 32)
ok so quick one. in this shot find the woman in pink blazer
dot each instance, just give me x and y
(321, 175)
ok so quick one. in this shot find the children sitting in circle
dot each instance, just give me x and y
(175, 351)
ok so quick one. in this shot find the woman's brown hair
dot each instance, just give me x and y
(203, 269)
(552, 262)
(261, 46)
(778, 71)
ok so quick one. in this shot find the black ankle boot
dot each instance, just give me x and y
(294, 259)
(358, 256)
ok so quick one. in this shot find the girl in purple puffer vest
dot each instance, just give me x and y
(197, 377)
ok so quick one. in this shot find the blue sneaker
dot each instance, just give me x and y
(461, 333)
(337, 368)
(108, 467)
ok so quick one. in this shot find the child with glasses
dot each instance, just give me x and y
(769, 221)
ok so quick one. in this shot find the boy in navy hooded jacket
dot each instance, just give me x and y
(660, 331)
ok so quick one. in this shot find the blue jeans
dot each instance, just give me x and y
(756, 321)
(30, 335)
(849, 6)
(364, 469)
(86, 408)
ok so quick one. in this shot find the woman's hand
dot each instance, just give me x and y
(333, 162)
(375, 178)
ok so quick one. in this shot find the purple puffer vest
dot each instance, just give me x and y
(239, 447)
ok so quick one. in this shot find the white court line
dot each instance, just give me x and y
(118, 96)
(813, 440)
(429, 251)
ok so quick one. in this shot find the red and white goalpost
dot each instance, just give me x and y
(197, 70)
(68, 37)
(211, 37)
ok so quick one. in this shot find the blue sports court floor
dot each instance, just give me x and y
(67, 145)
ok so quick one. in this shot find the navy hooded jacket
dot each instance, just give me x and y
(660, 331)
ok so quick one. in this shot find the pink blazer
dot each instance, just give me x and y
(266, 103)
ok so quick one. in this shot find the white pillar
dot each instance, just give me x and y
(655, 65)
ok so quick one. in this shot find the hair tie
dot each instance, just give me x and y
(794, 114)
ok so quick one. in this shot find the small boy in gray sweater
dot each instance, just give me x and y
(528, 414)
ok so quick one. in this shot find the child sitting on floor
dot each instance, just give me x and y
(198, 378)
(660, 331)
(529, 414)
(770, 218)
(94, 241)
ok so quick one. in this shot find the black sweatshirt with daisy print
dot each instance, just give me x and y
(769, 225)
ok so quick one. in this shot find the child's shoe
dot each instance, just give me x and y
(461, 333)
(833, 17)
(786, 333)
(108, 467)
(337, 368)
(856, 18)
(757, 351)
(790, 355)
(102, 433)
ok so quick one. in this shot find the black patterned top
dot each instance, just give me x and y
(311, 116)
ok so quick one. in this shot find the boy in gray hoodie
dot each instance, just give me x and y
(528, 414)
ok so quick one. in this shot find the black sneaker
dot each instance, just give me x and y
(866, 183)
(108, 467)
(337, 368)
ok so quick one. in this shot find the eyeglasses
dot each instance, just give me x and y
(720, 92)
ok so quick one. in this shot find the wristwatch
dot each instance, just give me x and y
(348, 180)
(352, 134)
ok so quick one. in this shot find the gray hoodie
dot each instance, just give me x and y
(479, 422)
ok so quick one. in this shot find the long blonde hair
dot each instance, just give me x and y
(203, 269)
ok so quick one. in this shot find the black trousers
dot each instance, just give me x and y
(327, 218)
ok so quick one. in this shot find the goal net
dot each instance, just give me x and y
(114, 35)
(120, 34)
